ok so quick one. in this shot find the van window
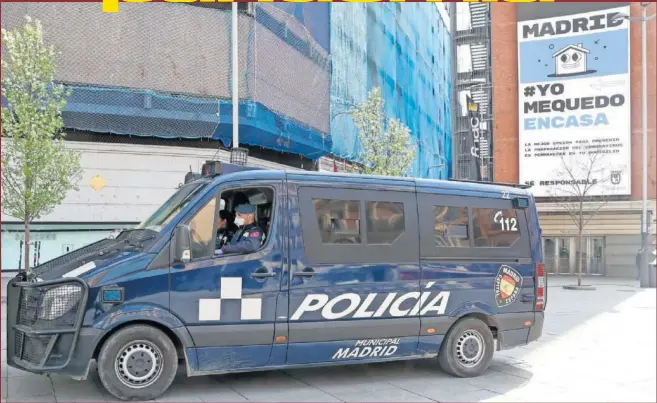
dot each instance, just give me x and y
(385, 222)
(345, 225)
(496, 228)
(451, 227)
(338, 220)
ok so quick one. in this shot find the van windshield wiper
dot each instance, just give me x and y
(136, 237)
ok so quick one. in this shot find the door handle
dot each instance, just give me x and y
(527, 297)
(307, 272)
(262, 273)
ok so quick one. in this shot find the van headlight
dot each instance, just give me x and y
(59, 300)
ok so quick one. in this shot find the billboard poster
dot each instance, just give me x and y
(574, 103)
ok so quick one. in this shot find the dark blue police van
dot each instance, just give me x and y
(338, 269)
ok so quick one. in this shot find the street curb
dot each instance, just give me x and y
(579, 287)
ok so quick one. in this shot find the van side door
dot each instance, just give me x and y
(347, 298)
(228, 302)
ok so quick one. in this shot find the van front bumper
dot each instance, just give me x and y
(39, 339)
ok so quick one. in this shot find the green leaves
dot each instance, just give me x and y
(37, 169)
(386, 143)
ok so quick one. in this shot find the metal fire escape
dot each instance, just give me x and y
(473, 75)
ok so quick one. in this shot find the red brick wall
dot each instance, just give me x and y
(504, 48)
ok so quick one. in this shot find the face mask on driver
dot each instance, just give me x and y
(239, 221)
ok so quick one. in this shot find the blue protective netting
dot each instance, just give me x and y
(301, 66)
(406, 51)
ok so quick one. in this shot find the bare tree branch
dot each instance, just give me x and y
(580, 179)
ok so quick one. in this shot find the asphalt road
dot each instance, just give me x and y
(596, 346)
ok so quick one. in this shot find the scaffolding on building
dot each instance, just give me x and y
(472, 77)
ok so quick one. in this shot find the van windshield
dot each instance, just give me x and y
(173, 206)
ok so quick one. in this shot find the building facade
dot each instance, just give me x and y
(567, 81)
(151, 97)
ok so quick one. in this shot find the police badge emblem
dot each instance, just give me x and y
(508, 284)
(615, 177)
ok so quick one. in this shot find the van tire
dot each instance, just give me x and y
(155, 363)
(460, 353)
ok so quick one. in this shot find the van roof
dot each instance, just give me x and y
(452, 186)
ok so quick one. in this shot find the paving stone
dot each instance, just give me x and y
(340, 380)
(519, 369)
(29, 386)
(15, 372)
(441, 395)
(244, 383)
(388, 395)
(4, 334)
(497, 382)
(28, 399)
(70, 390)
(299, 394)
(5, 388)
(199, 389)
(427, 386)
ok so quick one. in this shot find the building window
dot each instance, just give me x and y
(338, 220)
(451, 227)
(385, 222)
(495, 228)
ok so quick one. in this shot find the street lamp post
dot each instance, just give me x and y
(645, 224)
(235, 76)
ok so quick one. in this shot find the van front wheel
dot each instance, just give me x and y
(137, 363)
(467, 349)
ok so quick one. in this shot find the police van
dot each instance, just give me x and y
(342, 269)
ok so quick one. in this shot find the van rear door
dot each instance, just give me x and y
(475, 246)
(501, 241)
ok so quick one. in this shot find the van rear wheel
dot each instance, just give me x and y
(468, 348)
(137, 363)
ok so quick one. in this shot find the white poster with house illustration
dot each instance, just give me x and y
(570, 60)
(574, 102)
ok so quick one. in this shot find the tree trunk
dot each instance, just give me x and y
(579, 263)
(27, 246)
(580, 229)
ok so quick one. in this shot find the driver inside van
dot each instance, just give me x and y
(249, 236)
(225, 229)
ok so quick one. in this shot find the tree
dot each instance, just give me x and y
(585, 177)
(37, 170)
(386, 143)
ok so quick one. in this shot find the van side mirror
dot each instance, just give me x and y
(181, 245)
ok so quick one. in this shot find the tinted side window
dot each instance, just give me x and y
(338, 220)
(385, 222)
(495, 228)
(451, 227)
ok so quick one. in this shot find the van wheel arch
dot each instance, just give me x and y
(180, 348)
(487, 319)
